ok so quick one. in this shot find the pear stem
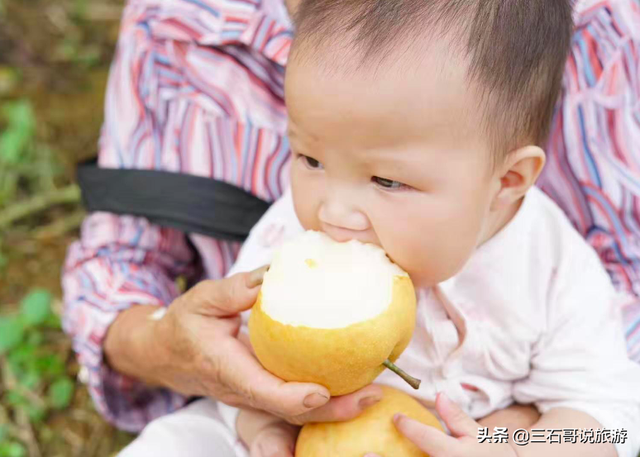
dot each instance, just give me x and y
(413, 382)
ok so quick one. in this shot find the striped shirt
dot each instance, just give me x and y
(196, 87)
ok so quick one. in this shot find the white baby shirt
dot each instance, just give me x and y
(531, 318)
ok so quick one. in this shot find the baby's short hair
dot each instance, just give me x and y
(516, 49)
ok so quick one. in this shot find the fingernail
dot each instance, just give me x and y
(369, 401)
(315, 400)
(398, 417)
(442, 397)
(256, 276)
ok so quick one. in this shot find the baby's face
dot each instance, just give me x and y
(394, 157)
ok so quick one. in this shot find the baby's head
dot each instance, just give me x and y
(418, 125)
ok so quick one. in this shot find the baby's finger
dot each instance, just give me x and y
(275, 441)
(458, 422)
(429, 439)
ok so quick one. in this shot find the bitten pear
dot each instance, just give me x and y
(334, 314)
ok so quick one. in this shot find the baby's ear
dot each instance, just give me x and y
(517, 174)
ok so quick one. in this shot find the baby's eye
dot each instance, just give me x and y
(312, 163)
(388, 183)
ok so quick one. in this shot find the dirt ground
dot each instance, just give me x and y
(54, 56)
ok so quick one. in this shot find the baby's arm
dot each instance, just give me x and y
(560, 419)
(513, 418)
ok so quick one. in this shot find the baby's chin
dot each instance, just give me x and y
(422, 281)
(425, 277)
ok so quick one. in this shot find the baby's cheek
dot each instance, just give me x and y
(429, 255)
(411, 251)
(309, 221)
(306, 213)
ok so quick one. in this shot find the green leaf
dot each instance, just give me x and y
(31, 380)
(50, 365)
(12, 145)
(11, 333)
(4, 433)
(12, 449)
(16, 399)
(36, 413)
(35, 308)
(22, 359)
(35, 338)
(20, 130)
(16, 367)
(22, 354)
(61, 393)
(53, 321)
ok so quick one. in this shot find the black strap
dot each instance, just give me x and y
(189, 203)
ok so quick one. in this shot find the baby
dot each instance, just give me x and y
(418, 125)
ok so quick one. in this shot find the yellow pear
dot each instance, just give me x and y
(372, 431)
(331, 313)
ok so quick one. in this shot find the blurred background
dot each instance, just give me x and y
(54, 63)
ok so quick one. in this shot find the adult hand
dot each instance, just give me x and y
(195, 350)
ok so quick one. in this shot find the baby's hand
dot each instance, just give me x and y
(275, 440)
(463, 441)
(266, 435)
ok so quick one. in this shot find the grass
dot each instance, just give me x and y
(54, 60)
(34, 375)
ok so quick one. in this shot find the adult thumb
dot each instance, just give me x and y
(229, 296)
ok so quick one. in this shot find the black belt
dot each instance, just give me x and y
(189, 203)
